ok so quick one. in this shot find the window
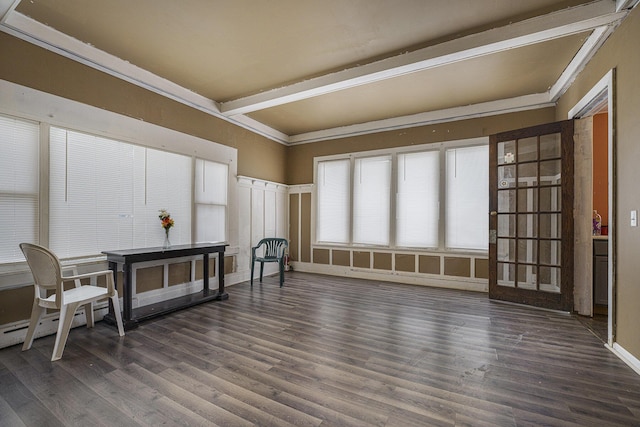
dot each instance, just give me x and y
(371, 204)
(105, 194)
(467, 195)
(211, 201)
(333, 184)
(19, 171)
(436, 198)
(417, 210)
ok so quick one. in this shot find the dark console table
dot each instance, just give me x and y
(128, 257)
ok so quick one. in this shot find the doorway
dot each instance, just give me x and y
(600, 99)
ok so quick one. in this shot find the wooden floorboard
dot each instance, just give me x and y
(327, 351)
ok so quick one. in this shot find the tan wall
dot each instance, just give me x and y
(300, 165)
(15, 304)
(621, 52)
(31, 66)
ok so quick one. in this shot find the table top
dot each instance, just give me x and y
(170, 252)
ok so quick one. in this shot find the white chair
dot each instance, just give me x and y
(47, 275)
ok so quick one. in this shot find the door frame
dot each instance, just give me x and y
(602, 95)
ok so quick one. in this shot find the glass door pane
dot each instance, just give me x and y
(530, 215)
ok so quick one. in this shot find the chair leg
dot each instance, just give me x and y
(36, 315)
(88, 312)
(281, 264)
(252, 265)
(64, 325)
(261, 270)
(116, 311)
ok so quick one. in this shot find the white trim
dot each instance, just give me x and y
(601, 94)
(626, 4)
(31, 104)
(7, 7)
(438, 281)
(247, 181)
(535, 30)
(625, 356)
(580, 60)
(25, 28)
(15, 332)
(599, 14)
(484, 109)
(440, 147)
(592, 100)
(300, 188)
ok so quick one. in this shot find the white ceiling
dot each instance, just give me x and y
(302, 71)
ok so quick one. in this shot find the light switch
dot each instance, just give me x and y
(634, 218)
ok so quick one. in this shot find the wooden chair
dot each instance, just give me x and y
(47, 275)
(272, 249)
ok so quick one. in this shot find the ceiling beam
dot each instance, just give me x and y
(626, 4)
(543, 28)
(6, 7)
(580, 60)
(600, 15)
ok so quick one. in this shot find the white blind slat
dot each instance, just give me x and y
(210, 195)
(19, 194)
(371, 204)
(417, 203)
(105, 194)
(467, 194)
(333, 192)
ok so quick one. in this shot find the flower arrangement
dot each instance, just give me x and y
(165, 220)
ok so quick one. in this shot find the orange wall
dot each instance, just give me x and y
(600, 166)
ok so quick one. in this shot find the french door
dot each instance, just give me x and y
(531, 216)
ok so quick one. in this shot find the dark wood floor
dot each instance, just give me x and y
(326, 351)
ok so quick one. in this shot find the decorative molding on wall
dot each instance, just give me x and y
(301, 188)
(440, 281)
(247, 181)
(15, 332)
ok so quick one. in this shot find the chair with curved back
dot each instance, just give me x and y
(271, 249)
(47, 275)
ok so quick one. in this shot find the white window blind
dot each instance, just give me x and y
(467, 198)
(334, 195)
(417, 202)
(168, 186)
(211, 201)
(19, 171)
(105, 194)
(371, 204)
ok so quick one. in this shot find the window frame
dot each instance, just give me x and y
(44, 178)
(442, 148)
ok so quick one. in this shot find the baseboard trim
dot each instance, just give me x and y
(448, 282)
(15, 333)
(625, 356)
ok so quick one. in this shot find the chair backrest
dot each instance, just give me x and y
(46, 270)
(273, 247)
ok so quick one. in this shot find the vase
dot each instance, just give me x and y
(167, 243)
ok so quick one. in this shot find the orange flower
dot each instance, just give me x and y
(165, 219)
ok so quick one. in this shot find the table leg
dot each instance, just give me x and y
(222, 295)
(125, 293)
(205, 273)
